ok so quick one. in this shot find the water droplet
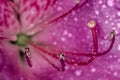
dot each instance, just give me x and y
(75, 19)
(63, 39)
(65, 32)
(96, 12)
(118, 47)
(59, 9)
(115, 73)
(118, 13)
(54, 43)
(93, 70)
(69, 35)
(78, 72)
(110, 3)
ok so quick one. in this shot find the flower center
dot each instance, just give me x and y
(22, 40)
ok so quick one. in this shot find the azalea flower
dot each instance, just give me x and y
(59, 39)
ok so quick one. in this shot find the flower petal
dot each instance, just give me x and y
(2, 58)
(8, 22)
(34, 14)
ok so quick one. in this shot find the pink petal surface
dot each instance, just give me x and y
(68, 34)
(8, 23)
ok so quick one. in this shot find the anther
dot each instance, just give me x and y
(112, 34)
(91, 24)
(62, 56)
(28, 52)
(28, 56)
(62, 61)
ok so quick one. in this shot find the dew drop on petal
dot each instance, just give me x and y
(63, 39)
(118, 47)
(118, 13)
(93, 70)
(78, 72)
(110, 3)
(118, 25)
(69, 35)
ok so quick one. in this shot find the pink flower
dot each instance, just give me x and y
(59, 39)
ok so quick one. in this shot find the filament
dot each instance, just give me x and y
(44, 24)
(99, 53)
(50, 54)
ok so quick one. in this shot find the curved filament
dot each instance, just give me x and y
(65, 14)
(50, 54)
(62, 61)
(56, 67)
(92, 55)
(92, 26)
(95, 51)
(46, 23)
(112, 38)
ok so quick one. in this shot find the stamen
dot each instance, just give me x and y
(78, 63)
(92, 57)
(35, 27)
(91, 24)
(112, 39)
(66, 13)
(61, 58)
(28, 56)
(112, 34)
(56, 67)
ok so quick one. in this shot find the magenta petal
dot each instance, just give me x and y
(2, 58)
(8, 22)
(70, 33)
